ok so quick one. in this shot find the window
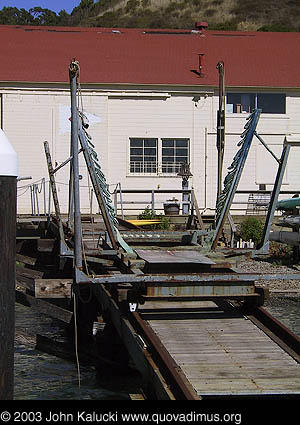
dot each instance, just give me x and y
(174, 153)
(272, 103)
(143, 155)
(157, 156)
(240, 102)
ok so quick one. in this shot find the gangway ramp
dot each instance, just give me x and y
(221, 351)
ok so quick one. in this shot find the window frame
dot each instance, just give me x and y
(176, 141)
(145, 168)
(158, 169)
(253, 104)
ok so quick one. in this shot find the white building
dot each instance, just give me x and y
(152, 99)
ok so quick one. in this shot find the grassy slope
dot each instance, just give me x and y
(268, 15)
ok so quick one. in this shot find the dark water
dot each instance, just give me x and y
(287, 310)
(40, 376)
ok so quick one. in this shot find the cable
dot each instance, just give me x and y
(76, 340)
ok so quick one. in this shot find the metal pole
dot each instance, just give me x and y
(121, 201)
(74, 73)
(221, 125)
(36, 190)
(8, 201)
(264, 245)
(44, 196)
(152, 201)
(185, 197)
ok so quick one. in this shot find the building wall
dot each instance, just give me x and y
(31, 117)
(172, 117)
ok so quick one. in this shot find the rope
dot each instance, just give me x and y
(26, 190)
(76, 341)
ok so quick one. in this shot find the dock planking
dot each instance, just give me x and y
(53, 288)
(223, 356)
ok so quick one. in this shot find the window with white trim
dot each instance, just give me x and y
(174, 153)
(270, 103)
(157, 156)
(143, 156)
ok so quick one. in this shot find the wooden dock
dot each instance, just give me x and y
(224, 353)
(200, 344)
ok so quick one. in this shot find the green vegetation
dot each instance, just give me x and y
(257, 15)
(148, 214)
(252, 228)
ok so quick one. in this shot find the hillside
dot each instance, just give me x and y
(264, 15)
(258, 15)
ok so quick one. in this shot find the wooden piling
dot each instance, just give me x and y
(7, 265)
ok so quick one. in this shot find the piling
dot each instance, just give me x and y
(8, 179)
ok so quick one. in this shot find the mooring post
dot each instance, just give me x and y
(8, 196)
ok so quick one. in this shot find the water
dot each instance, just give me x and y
(287, 310)
(40, 376)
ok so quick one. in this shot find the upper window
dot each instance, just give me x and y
(143, 155)
(174, 153)
(272, 103)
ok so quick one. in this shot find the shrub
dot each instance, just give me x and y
(252, 228)
(147, 214)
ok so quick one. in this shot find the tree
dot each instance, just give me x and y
(44, 16)
(14, 16)
(82, 11)
(64, 19)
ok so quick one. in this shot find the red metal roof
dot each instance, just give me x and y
(137, 56)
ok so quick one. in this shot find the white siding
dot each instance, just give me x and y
(30, 117)
(174, 117)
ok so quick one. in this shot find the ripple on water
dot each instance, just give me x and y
(40, 376)
(287, 310)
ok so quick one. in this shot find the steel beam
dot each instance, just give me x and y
(191, 279)
(264, 245)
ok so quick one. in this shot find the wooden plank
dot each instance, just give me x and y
(26, 260)
(136, 397)
(25, 277)
(30, 273)
(25, 282)
(66, 351)
(44, 307)
(99, 261)
(45, 245)
(53, 288)
(228, 356)
(195, 204)
(187, 257)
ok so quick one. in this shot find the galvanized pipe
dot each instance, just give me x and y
(290, 238)
(74, 69)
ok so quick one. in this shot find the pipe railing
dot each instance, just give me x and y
(40, 203)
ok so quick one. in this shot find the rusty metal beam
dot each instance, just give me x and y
(193, 278)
